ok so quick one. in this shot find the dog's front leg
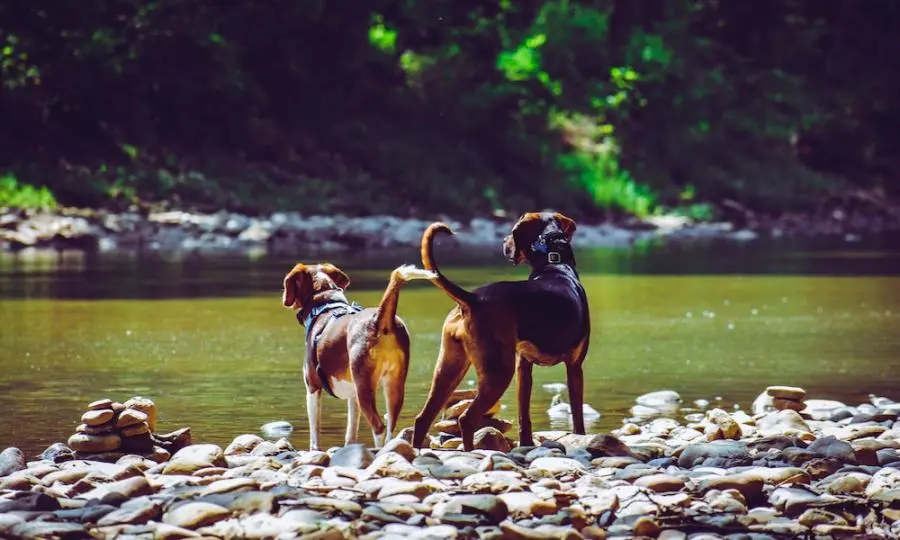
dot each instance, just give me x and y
(352, 420)
(524, 379)
(575, 382)
(314, 412)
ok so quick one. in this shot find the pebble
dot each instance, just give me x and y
(785, 474)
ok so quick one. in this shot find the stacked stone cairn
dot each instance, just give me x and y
(110, 429)
(489, 435)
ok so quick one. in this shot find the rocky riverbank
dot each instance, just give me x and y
(286, 232)
(825, 471)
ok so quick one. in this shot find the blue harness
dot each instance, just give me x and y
(337, 310)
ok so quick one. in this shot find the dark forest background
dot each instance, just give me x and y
(606, 107)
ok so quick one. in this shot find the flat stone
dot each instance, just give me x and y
(206, 453)
(728, 453)
(660, 483)
(557, 465)
(243, 444)
(130, 417)
(849, 484)
(399, 446)
(787, 392)
(816, 516)
(140, 510)
(749, 485)
(82, 442)
(135, 430)
(832, 448)
(354, 456)
(100, 404)
(192, 515)
(489, 507)
(494, 482)
(102, 429)
(97, 417)
(782, 422)
(394, 466)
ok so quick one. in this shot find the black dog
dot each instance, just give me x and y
(506, 327)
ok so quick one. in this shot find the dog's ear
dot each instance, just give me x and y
(339, 278)
(297, 286)
(567, 224)
(524, 233)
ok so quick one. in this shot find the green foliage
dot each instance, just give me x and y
(16, 195)
(461, 107)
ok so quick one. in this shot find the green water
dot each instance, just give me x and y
(206, 338)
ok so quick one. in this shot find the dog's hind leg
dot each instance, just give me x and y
(352, 420)
(366, 381)
(394, 390)
(314, 413)
(495, 367)
(449, 371)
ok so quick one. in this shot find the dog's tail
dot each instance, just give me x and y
(387, 309)
(464, 298)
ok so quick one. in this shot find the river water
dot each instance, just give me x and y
(206, 338)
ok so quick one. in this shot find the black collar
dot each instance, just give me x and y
(550, 249)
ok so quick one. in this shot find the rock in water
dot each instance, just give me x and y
(145, 406)
(277, 430)
(11, 460)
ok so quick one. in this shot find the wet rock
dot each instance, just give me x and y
(716, 453)
(392, 465)
(786, 392)
(201, 453)
(354, 456)
(489, 507)
(660, 483)
(830, 447)
(131, 417)
(140, 510)
(489, 438)
(82, 442)
(192, 515)
(11, 460)
(57, 453)
(784, 422)
(277, 429)
(97, 417)
(729, 428)
(399, 446)
(29, 502)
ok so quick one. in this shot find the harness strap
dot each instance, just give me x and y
(337, 310)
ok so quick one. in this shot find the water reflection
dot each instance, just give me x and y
(206, 337)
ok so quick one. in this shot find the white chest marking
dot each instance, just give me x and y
(341, 388)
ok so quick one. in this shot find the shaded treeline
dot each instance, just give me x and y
(459, 106)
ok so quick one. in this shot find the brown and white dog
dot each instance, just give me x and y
(503, 328)
(349, 349)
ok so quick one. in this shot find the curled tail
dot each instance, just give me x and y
(464, 298)
(387, 308)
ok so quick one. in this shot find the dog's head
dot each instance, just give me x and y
(305, 280)
(517, 246)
